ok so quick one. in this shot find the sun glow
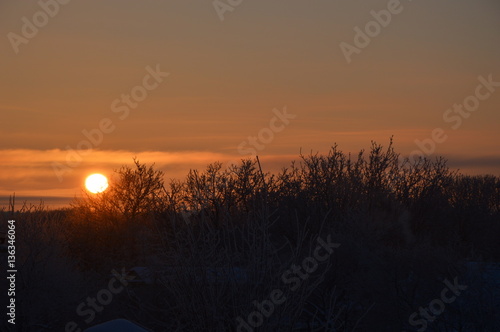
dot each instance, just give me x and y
(96, 183)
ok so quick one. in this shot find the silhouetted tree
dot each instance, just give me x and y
(109, 225)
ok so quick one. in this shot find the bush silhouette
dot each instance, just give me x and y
(221, 239)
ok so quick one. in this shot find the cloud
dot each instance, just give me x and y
(489, 164)
(31, 173)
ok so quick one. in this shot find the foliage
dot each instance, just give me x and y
(404, 226)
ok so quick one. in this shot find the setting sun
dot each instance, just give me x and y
(96, 183)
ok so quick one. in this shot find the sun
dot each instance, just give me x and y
(96, 183)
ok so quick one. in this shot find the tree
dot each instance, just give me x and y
(109, 225)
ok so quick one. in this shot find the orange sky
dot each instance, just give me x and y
(225, 78)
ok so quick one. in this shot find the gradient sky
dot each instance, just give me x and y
(227, 77)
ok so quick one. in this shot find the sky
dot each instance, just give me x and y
(86, 86)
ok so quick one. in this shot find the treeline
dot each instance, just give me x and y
(403, 227)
